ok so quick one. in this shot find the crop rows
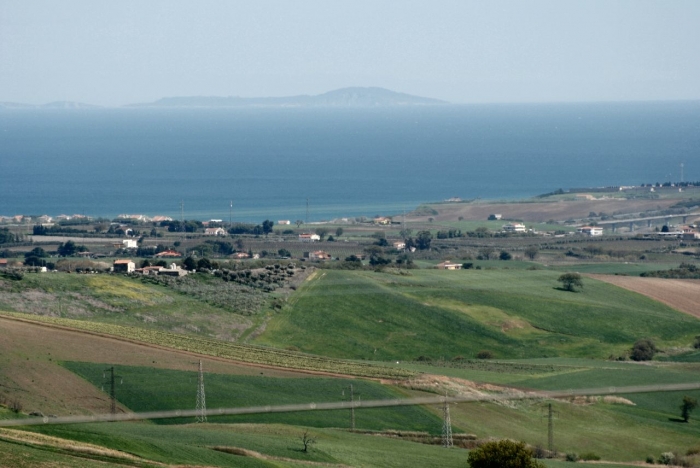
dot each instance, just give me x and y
(243, 353)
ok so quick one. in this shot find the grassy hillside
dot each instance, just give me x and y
(446, 314)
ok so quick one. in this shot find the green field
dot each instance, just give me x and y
(149, 389)
(446, 314)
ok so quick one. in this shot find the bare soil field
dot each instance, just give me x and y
(30, 373)
(544, 211)
(682, 295)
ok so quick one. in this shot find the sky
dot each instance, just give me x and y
(129, 51)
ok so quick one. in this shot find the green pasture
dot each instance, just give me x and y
(147, 389)
(447, 314)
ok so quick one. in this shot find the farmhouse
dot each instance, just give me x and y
(123, 266)
(399, 245)
(382, 220)
(214, 231)
(495, 216)
(240, 255)
(3, 263)
(129, 244)
(309, 237)
(514, 227)
(447, 265)
(590, 231)
(317, 255)
(284, 222)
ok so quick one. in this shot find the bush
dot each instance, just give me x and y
(667, 458)
(484, 354)
(571, 457)
(589, 456)
(650, 460)
(503, 453)
(643, 350)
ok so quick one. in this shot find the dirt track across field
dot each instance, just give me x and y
(682, 295)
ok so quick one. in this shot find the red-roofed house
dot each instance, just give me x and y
(123, 266)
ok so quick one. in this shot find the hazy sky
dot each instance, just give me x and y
(122, 51)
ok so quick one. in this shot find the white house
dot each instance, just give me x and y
(214, 231)
(590, 231)
(319, 255)
(284, 221)
(309, 238)
(514, 227)
(399, 245)
(447, 265)
(129, 244)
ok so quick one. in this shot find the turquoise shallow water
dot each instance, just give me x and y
(346, 162)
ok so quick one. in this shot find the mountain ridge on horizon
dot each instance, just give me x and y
(342, 97)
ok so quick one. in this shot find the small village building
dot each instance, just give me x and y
(692, 235)
(160, 219)
(123, 266)
(382, 220)
(3, 263)
(514, 227)
(129, 244)
(172, 270)
(284, 222)
(214, 231)
(447, 265)
(240, 255)
(318, 255)
(495, 216)
(305, 237)
(399, 245)
(590, 231)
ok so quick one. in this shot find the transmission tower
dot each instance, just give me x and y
(110, 380)
(550, 428)
(201, 407)
(446, 424)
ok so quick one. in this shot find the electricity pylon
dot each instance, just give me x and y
(446, 424)
(201, 406)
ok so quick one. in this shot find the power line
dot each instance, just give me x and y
(354, 404)
(352, 407)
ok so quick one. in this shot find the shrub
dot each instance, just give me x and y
(643, 350)
(650, 460)
(589, 456)
(571, 457)
(503, 453)
(15, 406)
(484, 354)
(667, 458)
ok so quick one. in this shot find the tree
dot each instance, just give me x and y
(531, 252)
(339, 232)
(267, 226)
(284, 253)
(204, 264)
(69, 248)
(299, 222)
(321, 232)
(503, 454)
(423, 240)
(571, 281)
(643, 350)
(505, 255)
(189, 264)
(486, 253)
(688, 405)
(307, 441)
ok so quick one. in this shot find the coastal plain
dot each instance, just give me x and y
(385, 324)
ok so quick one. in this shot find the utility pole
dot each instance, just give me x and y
(112, 388)
(352, 407)
(446, 424)
(550, 429)
(201, 406)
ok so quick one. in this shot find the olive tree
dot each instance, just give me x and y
(503, 454)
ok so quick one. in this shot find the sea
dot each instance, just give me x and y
(251, 164)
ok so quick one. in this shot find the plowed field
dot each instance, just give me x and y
(682, 295)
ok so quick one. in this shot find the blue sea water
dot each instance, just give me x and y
(346, 162)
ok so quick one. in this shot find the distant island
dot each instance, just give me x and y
(50, 105)
(345, 97)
